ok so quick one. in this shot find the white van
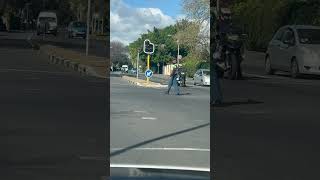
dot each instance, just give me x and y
(125, 68)
(49, 18)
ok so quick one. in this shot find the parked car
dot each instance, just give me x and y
(47, 23)
(202, 77)
(133, 71)
(295, 49)
(77, 29)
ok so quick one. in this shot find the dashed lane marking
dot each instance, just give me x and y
(140, 111)
(148, 118)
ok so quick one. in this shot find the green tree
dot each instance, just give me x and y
(118, 53)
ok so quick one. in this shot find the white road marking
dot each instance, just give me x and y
(145, 166)
(164, 149)
(148, 118)
(140, 111)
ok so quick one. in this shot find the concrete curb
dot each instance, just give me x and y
(142, 83)
(67, 63)
(75, 66)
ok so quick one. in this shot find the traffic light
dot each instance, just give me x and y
(148, 47)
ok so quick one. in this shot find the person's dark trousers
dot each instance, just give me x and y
(170, 82)
(176, 86)
(216, 92)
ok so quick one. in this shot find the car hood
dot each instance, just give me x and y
(206, 77)
(52, 24)
(311, 49)
(310, 53)
(82, 29)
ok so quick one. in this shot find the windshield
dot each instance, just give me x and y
(79, 25)
(309, 36)
(47, 19)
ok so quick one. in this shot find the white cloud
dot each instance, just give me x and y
(127, 23)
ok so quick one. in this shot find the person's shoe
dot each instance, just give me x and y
(216, 103)
(166, 92)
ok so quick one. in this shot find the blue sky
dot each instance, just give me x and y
(169, 7)
(130, 18)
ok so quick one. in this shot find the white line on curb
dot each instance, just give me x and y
(159, 167)
(164, 149)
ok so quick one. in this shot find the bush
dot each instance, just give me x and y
(190, 65)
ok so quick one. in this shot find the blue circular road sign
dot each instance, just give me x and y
(148, 73)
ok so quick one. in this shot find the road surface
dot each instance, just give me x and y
(268, 127)
(150, 128)
(53, 122)
(96, 47)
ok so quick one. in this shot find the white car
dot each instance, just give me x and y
(295, 49)
(202, 77)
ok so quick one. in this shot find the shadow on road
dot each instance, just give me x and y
(234, 103)
(157, 139)
(304, 76)
(252, 78)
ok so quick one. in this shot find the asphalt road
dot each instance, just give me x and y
(268, 127)
(150, 128)
(96, 47)
(53, 122)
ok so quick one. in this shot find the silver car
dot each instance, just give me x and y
(294, 49)
(202, 77)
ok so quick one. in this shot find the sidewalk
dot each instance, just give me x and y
(143, 83)
(90, 65)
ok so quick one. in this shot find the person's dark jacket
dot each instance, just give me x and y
(174, 72)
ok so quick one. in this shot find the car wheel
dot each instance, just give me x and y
(268, 68)
(294, 68)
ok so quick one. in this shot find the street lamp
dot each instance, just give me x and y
(88, 27)
(178, 55)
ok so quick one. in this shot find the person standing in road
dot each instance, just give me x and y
(173, 80)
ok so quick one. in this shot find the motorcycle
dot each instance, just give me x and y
(229, 55)
(181, 78)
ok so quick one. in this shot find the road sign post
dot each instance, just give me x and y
(148, 73)
(148, 66)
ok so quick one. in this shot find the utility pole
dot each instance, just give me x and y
(178, 54)
(138, 65)
(88, 27)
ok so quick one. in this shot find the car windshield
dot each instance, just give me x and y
(47, 19)
(309, 36)
(79, 25)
